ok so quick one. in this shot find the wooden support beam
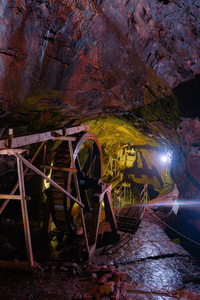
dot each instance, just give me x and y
(79, 196)
(24, 212)
(40, 137)
(11, 151)
(110, 216)
(10, 138)
(15, 265)
(25, 172)
(63, 137)
(36, 170)
(96, 214)
(14, 197)
(59, 168)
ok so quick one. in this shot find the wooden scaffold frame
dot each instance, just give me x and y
(10, 146)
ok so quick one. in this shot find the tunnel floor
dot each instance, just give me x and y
(154, 268)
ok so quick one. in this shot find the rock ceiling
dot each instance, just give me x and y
(66, 62)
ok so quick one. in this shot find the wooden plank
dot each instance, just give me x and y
(59, 168)
(123, 212)
(13, 197)
(15, 265)
(133, 211)
(65, 138)
(40, 137)
(92, 249)
(11, 151)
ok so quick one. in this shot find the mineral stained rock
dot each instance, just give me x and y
(68, 60)
(165, 34)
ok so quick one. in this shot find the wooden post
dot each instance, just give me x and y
(96, 214)
(79, 195)
(10, 137)
(110, 216)
(44, 162)
(24, 212)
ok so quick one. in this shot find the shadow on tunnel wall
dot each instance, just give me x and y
(137, 172)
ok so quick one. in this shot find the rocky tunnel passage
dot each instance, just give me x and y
(63, 63)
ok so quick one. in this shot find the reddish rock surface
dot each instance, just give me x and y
(164, 32)
(64, 60)
(185, 170)
(186, 165)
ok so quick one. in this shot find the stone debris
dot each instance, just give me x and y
(109, 282)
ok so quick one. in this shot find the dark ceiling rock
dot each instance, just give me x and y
(67, 60)
(165, 34)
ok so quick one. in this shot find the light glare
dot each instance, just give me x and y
(164, 158)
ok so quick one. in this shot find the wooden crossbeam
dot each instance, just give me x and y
(11, 151)
(13, 197)
(63, 137)
(40, 137)
(59, 168)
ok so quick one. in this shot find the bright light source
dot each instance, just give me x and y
(164, 158)
(167, 157)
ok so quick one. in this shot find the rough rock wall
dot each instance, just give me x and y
(187, 164)
(165, 34)
(64, 60)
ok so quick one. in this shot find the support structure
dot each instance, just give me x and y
(10, 146)
(25, 218)
(98, 198)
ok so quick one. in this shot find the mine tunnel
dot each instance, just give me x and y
(99, 149)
